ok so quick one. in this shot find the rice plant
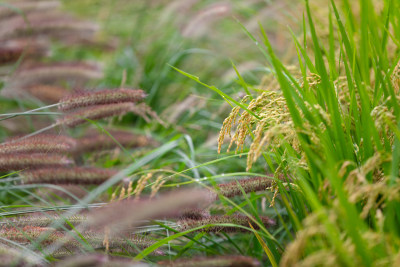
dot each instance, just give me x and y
(199, 133)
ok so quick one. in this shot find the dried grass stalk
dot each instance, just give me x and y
(21, 161)
(67, 175)
(218, 261)
(88, 98)
(41, 143)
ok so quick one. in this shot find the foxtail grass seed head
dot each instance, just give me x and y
(194, 214)
(68, 175)
(248, 185)
(11, 256)
(241, 220)
(41, 143)
(128, 213)
(95, 113)
(21, 161)
(102, 141)
(47, 93)
(54, 73)
(12, 50)
(51, 24)
(103, 97)
(202, 20)
(70, 243)
(216, 261)
(101, 260)
(41, 220)
(27, 7)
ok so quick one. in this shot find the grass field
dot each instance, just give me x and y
(200, 133)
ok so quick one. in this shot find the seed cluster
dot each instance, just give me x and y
(68, 175)
(87, 98)
(248, 185)
(214, 221)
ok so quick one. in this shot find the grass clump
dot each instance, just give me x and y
(320, 131)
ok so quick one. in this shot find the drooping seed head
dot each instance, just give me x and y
(88, 98)
(95, 113)
(66, 175)
(21, 161)
(41, 143)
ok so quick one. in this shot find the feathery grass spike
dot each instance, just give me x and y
(89, 98)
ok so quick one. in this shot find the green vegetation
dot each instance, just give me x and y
(308, 103)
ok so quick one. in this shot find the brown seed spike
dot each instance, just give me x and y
(248, 185)
(16, 162)
(129, 213)
(241, 220)
(87, 98)
(95, 141)
(42, 143)
(64, 175)
(54, 73)
(218, 261)
(94, 113)
(47, 93)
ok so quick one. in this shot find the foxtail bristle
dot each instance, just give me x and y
(47, 93)
(128, 213)
(248, 185)
(241, 220)
(88, 98)
(21, 161)
(27, 7)
(69, 245)
(53, 73)
(100, 141)
(41, 143)
(66, 175)
(12, 50)
(41, 220)
(94, 113)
